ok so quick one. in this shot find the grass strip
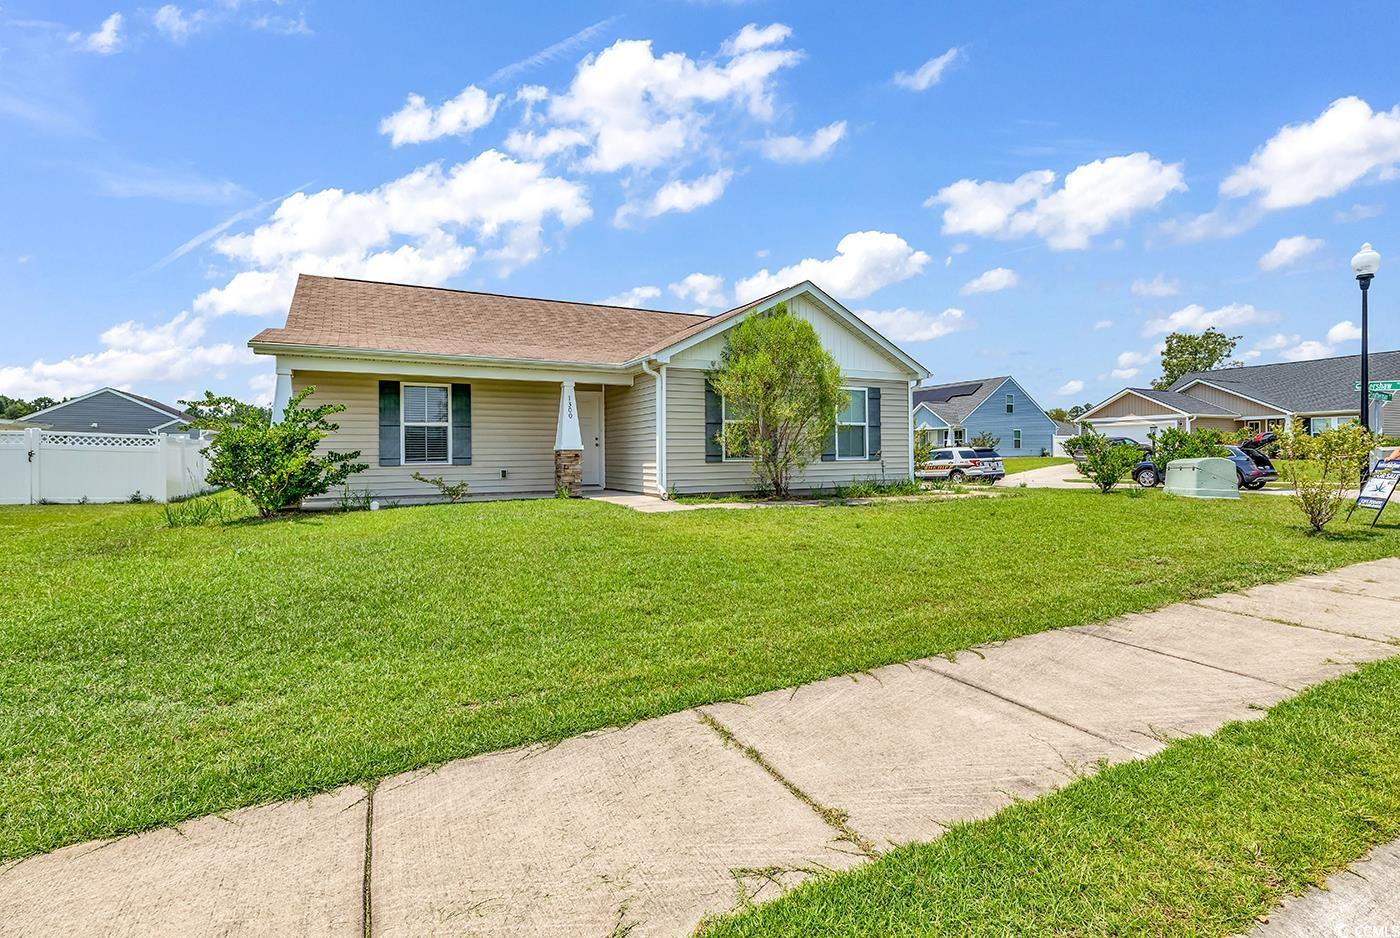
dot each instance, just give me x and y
(150, 674)
(1202, 839)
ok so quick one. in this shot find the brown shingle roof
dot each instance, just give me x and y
(335, 312)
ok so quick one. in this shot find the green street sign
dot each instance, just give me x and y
(1388, 386)
(1380, 396)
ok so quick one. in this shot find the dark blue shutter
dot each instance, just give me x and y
(461, 424)
(389, 438)
(714, 424)
(829, 451)
(872, 420)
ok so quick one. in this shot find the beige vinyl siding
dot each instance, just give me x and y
(1232, 402)
(687, 471)
(629, 414)
(513, 425)
(1390, 419)
(1227, 424)
(1133, 405)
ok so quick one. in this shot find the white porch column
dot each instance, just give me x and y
(282, 393)
(568, 442)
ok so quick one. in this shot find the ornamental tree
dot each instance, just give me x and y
(275, 466)
(1105, 464)
(782, 391)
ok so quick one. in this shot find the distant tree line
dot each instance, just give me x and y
(13, 408)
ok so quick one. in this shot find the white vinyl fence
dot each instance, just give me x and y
(58, 466)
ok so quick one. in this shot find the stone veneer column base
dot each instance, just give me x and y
(568, 471)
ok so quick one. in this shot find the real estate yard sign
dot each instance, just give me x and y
(1376, 491)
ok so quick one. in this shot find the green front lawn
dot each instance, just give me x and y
(151, 674)
(1200, 840)
(1016, 464)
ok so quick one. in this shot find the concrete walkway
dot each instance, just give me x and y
(1362, 901)
(1046, 477)
(645, 829)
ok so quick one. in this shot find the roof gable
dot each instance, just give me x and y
(955, 401)
(1319, 385)
(171, 414)
(1158, 403)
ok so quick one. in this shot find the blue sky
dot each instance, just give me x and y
(1042, 192)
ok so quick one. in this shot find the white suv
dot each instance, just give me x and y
(957, 464)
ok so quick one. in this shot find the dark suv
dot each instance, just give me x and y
(1252, 468)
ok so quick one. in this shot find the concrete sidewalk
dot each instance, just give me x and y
(646, 829)
(1361, 901)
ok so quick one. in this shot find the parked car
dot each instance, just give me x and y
(958, 464)
(1078, 454)
(1252, 468)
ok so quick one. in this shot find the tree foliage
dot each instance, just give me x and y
(782, 392)
(213, 412)
(1322, 467)
(985, 440)
(1185, 352)
(1105, 464)
(275, 465)
(1172, 443)
(13, 408)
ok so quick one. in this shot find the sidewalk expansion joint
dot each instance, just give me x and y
(1295, 625)
(1032, 709)
(1195, 661)
(835, 818)
(367, 903)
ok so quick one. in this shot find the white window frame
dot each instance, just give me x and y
(864, 424)
(959, 437)
(404, 424)
(1015, 438)
(1011, 403)
(724, 423)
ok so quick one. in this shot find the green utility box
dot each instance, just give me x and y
(1211, 477)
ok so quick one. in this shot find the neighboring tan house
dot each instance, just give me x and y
(954, 414)
(108, 410)
(1321, 393)
(517, 395)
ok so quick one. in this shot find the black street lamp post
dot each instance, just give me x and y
(1364, 265)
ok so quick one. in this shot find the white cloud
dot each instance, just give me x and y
(1070, 388)
(1305, 351)
(998, 278)
(1358, 212)
(629, 109)
(865, 261)
(1129, 364)
(753, 37)
(1344, 331)
(930, 73)
(913, 325)
(701, 289)
(677, 196)
(132, 355)
(1276, 341)
(1093, 198)
(175, 24)
(1103, 324)
(262, 386)
(106, 41)
(1289, 251)
(418, 122)
(1157, 286)
(1305, 162)
(634, 298)
(1195, 318)
(406, 230)
(804, 149)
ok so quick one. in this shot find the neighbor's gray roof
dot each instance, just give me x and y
(1318, 386)
(1184, 402)
(1065, 428)
(955, 400)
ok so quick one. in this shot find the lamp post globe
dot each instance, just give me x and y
(1364, 264)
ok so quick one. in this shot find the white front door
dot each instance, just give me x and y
(590, 425)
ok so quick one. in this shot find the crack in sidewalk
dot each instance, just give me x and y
(367, 903)
(835, 818)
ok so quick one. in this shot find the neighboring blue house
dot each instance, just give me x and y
(958, 412)
(108, 410)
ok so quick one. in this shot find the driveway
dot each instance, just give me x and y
(643, 830)
(1047, 477)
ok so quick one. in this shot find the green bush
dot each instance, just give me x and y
(276, 466)
(1104, 464)
(1172, 443)
(1322, 467)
